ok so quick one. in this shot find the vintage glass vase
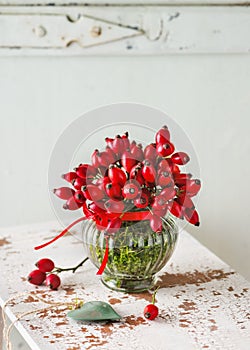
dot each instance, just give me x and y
(136, 253)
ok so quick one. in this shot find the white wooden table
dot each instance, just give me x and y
(203, 303)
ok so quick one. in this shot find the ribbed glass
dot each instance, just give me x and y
(136, 253)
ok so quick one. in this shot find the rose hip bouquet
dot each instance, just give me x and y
(127, 182)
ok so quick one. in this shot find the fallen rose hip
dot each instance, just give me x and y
(151, 311)
(53, 281)
(36, 277)
(45, 265)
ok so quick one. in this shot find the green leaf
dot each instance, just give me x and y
(94, 311)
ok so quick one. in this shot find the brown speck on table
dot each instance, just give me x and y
(114, 301)
(188, 306)
(172, 280)
(4, 241)
(144, 295)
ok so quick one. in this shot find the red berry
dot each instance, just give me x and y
(111, 154)
(102, 182)
(128, 161)
(78, 183)
(151, 311)
(156, 223)
(126, 140)
(53, 281)
(101, 222)
(137, 152)
(165, 149)
(159, 202)
(114, 191)
(113, 206)
(163, 135)
(71, 204)
(97, 208)
(114, 225)
(148, 172)
(176, 209)
(164, 166)
(150, 152)
(185, 201)
(118, 145)
(86, 171)
(143, 200)
(192, 187)
(131, 190)
(181, 179)
(164, 179)
(93, 193)
(109, 142)
(168, 193)
(117, 175)
(45, 265)
(192, 216)
(180, 158)
(36, 277)
(79, 197)
(64, 192)
(160, 212)
(136, 174)
(70, 177)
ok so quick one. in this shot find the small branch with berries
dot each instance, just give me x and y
(46, 271)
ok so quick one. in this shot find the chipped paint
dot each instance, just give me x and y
(197, 298)
(3, 241)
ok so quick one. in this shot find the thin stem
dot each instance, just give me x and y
(153, 298)
(73, 269)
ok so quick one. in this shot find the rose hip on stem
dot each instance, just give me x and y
(151, 311)
(36, 277)
(53, 281)
(45, 265)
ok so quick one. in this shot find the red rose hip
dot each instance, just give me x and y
(53, 281)
(151, 311)
(36, 277)
(45, 265)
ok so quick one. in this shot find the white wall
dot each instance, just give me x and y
(209, 96)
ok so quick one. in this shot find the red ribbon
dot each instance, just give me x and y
(128, 216)
(61, 234)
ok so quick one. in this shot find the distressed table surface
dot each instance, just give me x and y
(203, 303)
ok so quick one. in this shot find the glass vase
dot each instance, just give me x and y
(136, 253)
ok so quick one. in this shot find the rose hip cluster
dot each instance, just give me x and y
(126, 178)
(43, 273)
